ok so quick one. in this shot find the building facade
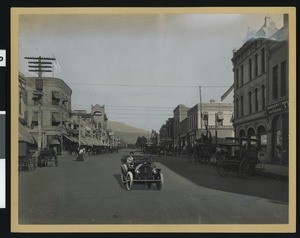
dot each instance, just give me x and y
(216, 119)
(180, 113)
(261, 91)
(47, 110)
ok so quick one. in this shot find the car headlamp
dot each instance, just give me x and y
(154, 171)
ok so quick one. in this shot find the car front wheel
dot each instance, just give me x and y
(129, 181)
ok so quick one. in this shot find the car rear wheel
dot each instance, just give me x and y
(160, 183)
(129, 181)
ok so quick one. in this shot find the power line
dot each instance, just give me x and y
(151, 86)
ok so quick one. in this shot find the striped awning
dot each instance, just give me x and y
(71, 138)
(56, 117)
(24, 135)
(54, 141)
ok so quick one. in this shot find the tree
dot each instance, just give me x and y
(141, 142)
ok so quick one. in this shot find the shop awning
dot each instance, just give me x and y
(54, 141)
(56, 95)
(85, 141)
(95, 142)
(56, 117)
(24, 135)
(35, 116)
(71, 138)
(64, 118)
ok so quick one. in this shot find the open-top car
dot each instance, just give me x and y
(140, 169)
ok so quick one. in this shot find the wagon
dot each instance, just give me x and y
(47, 157)
(241, 156)
(140, 170)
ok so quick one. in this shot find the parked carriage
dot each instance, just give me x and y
(47, 157)
(240, 156)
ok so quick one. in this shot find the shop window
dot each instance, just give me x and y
(275, 81)
(283, 79)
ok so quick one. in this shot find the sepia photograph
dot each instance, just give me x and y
(153, 120)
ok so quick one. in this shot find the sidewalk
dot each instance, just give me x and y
(279, 171)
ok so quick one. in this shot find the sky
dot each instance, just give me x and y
(140, 66)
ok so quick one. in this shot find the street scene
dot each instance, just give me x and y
(153, 119)
(91, 192)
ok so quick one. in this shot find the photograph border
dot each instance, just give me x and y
(181, 228)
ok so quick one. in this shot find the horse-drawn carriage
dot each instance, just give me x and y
(239, 155)
(47, 157)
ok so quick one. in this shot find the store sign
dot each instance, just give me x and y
(278, 107)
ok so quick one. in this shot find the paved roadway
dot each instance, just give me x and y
(90, 192)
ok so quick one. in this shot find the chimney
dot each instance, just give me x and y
(285, 19)
(267, 21)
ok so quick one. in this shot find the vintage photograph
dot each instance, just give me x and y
(171, 119)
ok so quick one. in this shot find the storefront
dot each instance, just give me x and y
(279, 132)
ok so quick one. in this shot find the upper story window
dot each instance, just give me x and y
(256, 99)
(237, 77)
(250, 101)
(283, 77)
(55, 98)
(250, 69)
(242, 75)
(263, 96)
(255, 65)
(242, 105)
(237, 107)
(275, 81)
(263, 62)
(55, 119)
(34, 121)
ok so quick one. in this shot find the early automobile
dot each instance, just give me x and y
(140, 169)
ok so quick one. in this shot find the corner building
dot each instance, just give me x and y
(261, 91)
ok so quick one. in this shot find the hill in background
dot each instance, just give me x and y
(126, 132)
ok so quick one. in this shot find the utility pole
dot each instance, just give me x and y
(201, 115)
(79, 131)
(39, 65)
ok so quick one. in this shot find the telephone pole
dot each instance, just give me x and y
(201, 115)
(39, 65)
